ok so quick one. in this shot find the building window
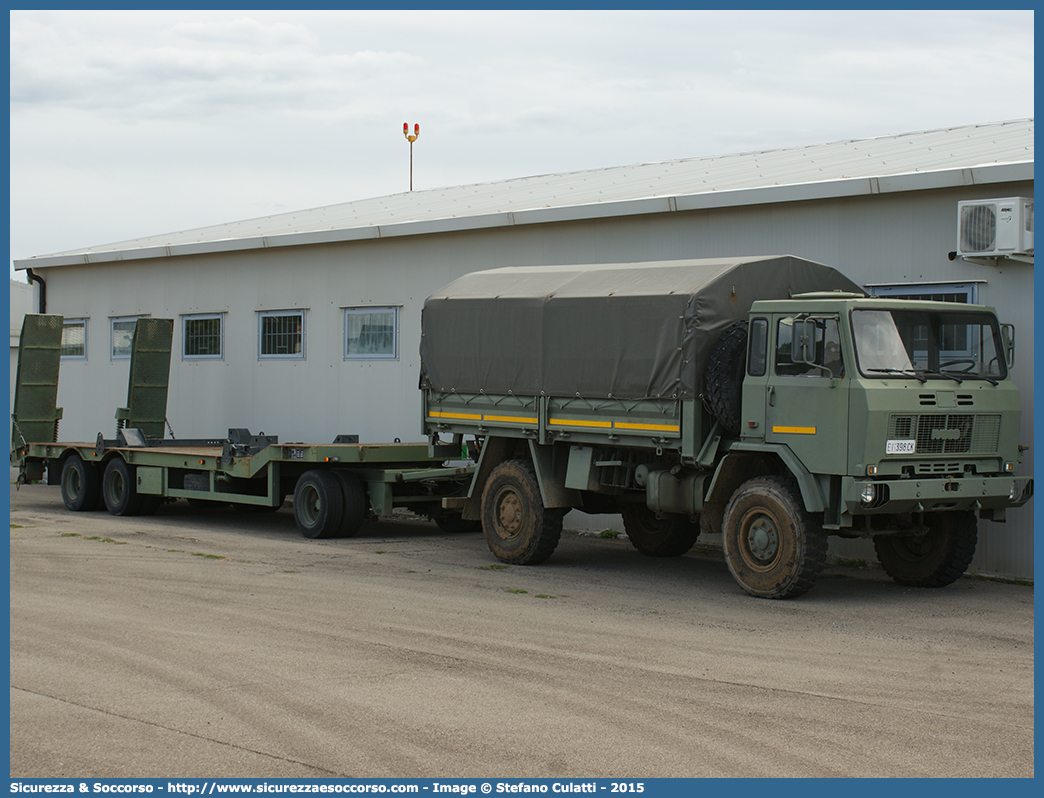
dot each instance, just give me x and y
(122, 336)
(371, 334)
(202, 336)
(74, 339)
(281, 335)
(936, 292)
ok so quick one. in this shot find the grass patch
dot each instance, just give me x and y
(609, 534)
(291, 572)
(515, 590)
(176, 551)
(542, 595)
(70, 534)
(208, 556)
(380, 551)
(17, 526)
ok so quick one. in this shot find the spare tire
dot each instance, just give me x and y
(725, 370)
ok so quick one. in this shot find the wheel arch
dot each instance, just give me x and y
(54, 473)
(760, 460)
(549, 463)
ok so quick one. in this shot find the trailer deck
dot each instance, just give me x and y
(335, 485)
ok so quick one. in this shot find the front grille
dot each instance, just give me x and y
(933, 469)
(956, 433)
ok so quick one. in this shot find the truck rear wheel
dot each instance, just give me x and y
(81, 484)
(936, 559)
(725, 369)
(670, 536)
(773, 547)
(119, 488)
(318, 504)
(517, 527)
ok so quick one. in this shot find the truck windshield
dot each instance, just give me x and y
(928, 344)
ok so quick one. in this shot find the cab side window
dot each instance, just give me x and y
(757, 353)
(821, 358)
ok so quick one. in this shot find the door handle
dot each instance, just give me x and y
(772, 396)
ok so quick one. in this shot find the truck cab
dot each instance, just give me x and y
(895, 418)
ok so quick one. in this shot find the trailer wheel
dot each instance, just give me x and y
(670, 536)
(81, 484)
(353, 494)
(517, 527)
(318, 504)
(936, 559)
(119, 489)
(725, 369)
(773, 547)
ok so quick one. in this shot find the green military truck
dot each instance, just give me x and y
(765, 398)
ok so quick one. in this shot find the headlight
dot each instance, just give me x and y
(870, 493)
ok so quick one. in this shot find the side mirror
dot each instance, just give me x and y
(1008, 338)
(803, 343)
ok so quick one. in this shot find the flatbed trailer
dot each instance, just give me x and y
(335, 486)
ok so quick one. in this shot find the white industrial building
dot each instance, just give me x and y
(307, 324)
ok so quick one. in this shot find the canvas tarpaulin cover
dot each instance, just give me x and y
(626, 330)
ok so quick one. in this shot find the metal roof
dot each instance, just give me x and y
(975, 154)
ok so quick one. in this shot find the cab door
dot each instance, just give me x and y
(806, 393)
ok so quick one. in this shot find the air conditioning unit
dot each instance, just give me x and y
(994, 228)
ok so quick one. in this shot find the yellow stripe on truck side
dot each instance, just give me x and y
(648, 427)
(579, 422)
(480, 417)
(795, 430)
(560, 422)
(463, 416)
(511, 419)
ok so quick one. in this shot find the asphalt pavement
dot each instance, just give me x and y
(221, 644)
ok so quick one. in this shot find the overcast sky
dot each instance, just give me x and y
(128, 124)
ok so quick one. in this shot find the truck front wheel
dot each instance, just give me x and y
(935, 559)
(670, 536)
(318, 504)
(773, 547)
(517, 527)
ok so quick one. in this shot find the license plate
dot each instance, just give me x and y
(900, 447)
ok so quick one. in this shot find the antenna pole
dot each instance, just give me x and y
(411, 137)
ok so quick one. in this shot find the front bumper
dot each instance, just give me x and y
(993, 495)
